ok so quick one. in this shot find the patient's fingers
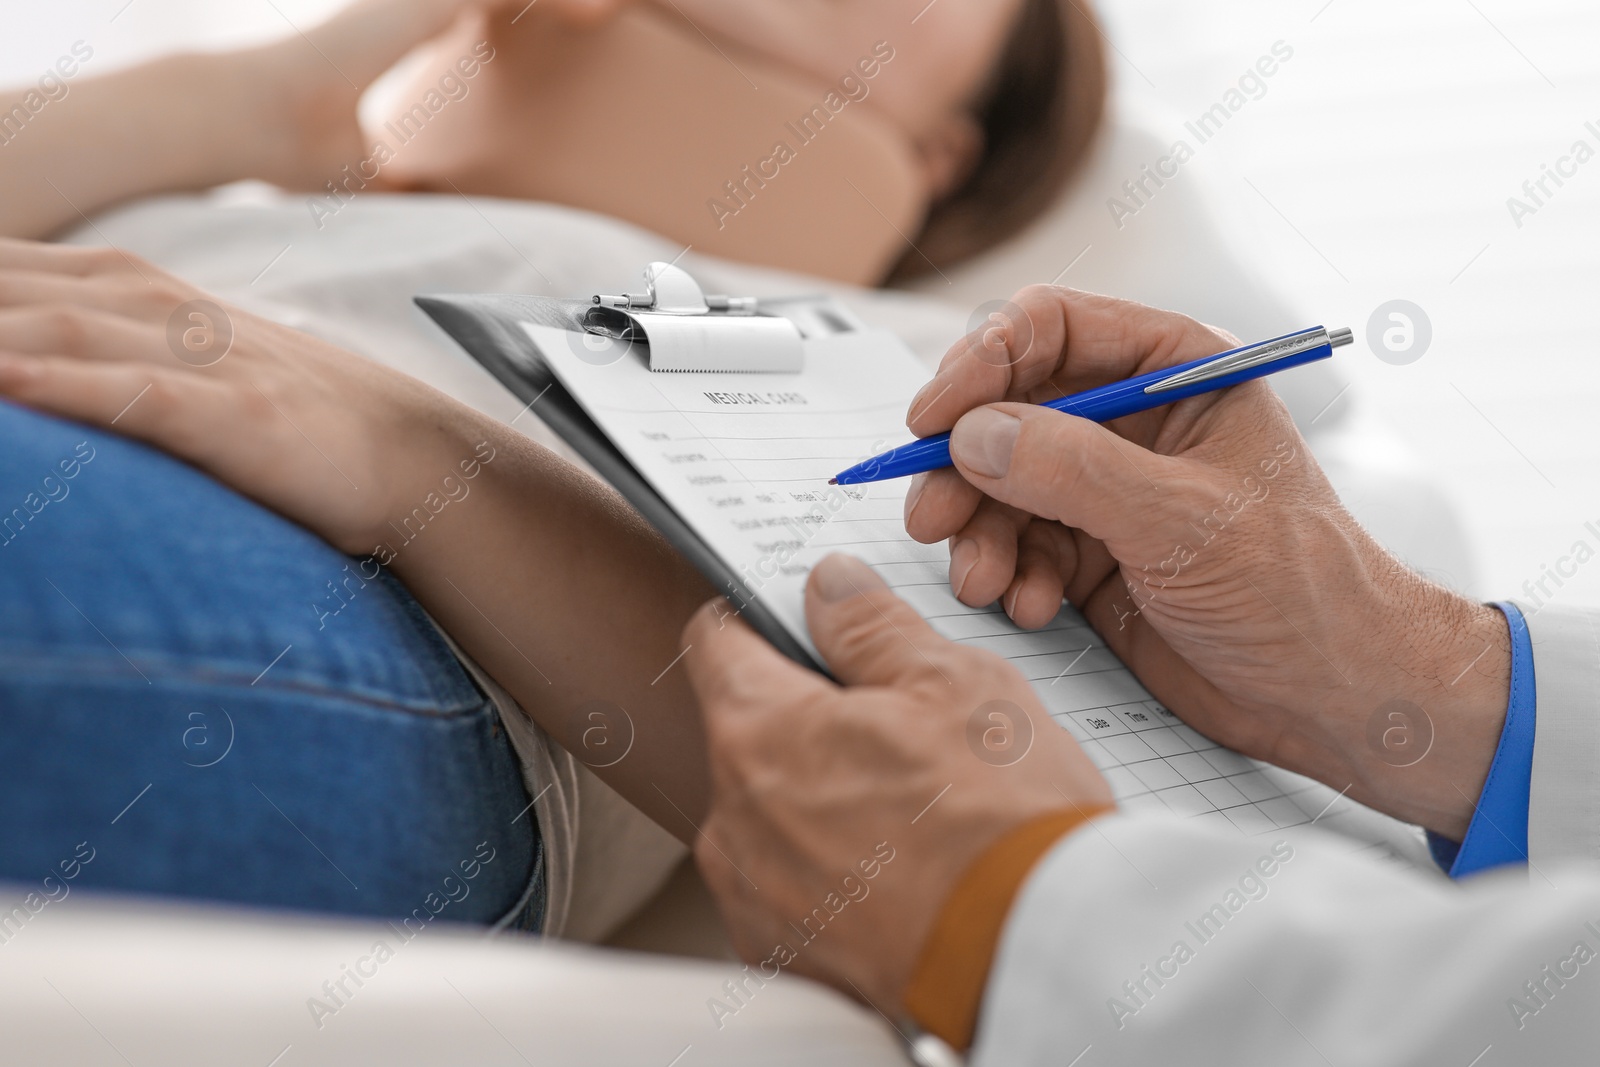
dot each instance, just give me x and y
(132, 398)
(82, 333)
(72, 260)
(123, 294)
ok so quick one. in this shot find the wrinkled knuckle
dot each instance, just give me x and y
(979, 668)
(935, 665)
(164, 297)
(1223, 337)
(164, 395)
(1060, 470)
(108, 260)
(1186, 330)
(865, 622)
(148, 411)
(270, 395)
(66, 327)
(890, 610)
(1041, 292)
(125, 262)
(252, 408)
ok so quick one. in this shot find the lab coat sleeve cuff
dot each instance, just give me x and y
(1497, 836)
(1564, 801)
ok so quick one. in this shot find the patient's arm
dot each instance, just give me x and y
(545, 576)
(284, 112)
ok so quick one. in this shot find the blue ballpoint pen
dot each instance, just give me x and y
(1141, 393)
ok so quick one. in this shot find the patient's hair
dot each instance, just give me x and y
(1039, 115)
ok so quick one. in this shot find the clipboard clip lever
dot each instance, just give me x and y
(669, 290)
(686, 330)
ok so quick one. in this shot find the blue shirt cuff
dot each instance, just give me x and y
(1498, 833)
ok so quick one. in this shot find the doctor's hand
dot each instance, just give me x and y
(1203, 542)
(858, 805)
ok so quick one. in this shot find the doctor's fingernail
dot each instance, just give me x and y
(922, 402)
(917, 403)
(983, 441)
(839, 577)
(963, 557)
(914, 496)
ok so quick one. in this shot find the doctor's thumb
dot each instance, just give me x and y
(1064, 468)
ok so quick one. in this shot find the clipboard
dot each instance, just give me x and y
(488, 328)
(1100, 703)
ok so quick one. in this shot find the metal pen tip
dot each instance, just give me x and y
(833, 481)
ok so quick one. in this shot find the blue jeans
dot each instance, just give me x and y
(199, 699)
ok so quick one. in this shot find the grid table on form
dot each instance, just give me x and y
(1154, 761)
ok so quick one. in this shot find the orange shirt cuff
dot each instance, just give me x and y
(946, 989)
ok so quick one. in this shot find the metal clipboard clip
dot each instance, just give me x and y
(686, 330)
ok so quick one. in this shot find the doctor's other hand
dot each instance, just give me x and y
(1205, 545)
(866, 798)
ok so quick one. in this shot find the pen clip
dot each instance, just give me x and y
(1254, 356)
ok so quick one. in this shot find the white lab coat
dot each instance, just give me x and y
(1142, 940)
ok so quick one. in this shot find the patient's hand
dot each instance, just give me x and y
(327, 438)
(870, 790)
(284, 112)
(1204, 543)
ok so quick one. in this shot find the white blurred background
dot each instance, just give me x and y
(1376, 167)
